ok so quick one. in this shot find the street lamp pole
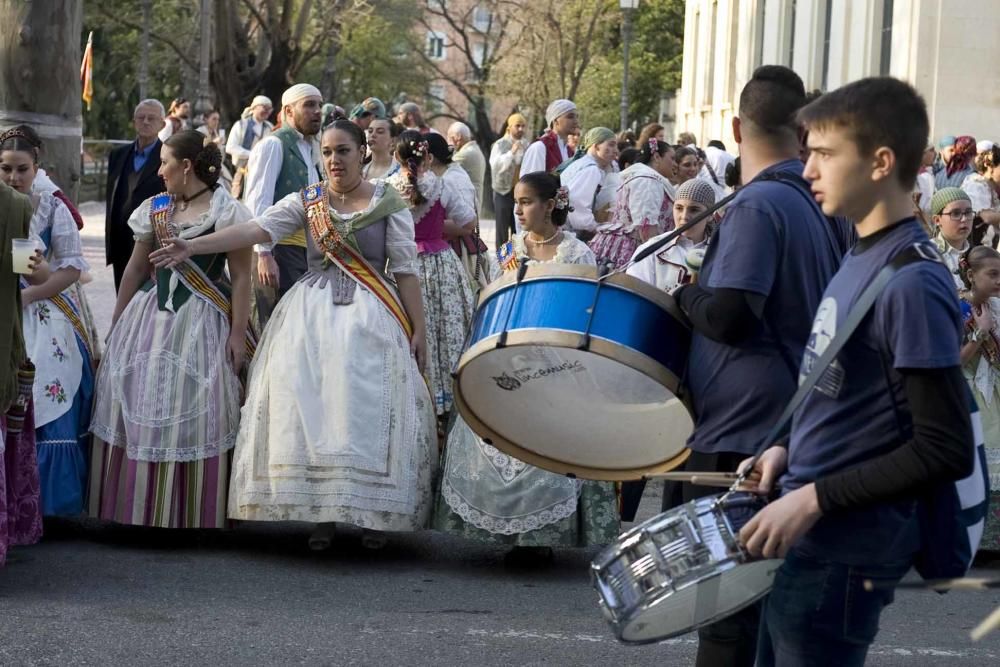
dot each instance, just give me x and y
(628, 8)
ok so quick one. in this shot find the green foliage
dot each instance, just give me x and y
(654, 66)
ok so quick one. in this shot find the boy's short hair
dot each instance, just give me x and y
(878, 111)
(771, 99)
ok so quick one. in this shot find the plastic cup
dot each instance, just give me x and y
(22, 250)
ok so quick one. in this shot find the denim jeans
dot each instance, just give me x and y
(819, 613)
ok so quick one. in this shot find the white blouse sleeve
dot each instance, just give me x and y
(645, 201)
(286, 217)
(979, 193)
(457, 203)
(400, 248)
(142, 229)
(65, 248)
(534, 158)
(582, 188)
(232, 211)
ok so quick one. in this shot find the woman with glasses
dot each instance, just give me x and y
(952, 216)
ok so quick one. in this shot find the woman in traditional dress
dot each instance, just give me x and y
(980, 356)
(491, 497)
(688, 164)
(381, 134)
(55, 335)
(643, 208)
(585, 177)
(20, 509)
(167, 407)
(338, 425)
(440, 211)
(675, 264)
(983, 188)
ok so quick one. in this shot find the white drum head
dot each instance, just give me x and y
(701, 603)
(577, 412)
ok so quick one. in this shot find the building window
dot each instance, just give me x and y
(825, 72)
(435, 97)
(758, 47)
(435, 45)
(885, 52)
(482, 19)
(792, 8)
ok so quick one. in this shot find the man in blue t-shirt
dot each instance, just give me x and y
(888, 419)
(762, 278)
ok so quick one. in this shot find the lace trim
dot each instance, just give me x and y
(492, 524)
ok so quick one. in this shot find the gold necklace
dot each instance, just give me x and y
(548, 240)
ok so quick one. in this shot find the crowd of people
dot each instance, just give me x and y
(292, 297)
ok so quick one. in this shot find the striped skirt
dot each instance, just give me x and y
(160, 494)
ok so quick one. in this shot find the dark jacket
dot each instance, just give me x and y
(121, 203)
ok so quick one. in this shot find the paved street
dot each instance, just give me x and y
(93, 593)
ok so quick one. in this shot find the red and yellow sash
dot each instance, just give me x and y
(161, 212)
(339, 251)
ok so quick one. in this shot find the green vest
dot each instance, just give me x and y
(293, 177)
(213, 266)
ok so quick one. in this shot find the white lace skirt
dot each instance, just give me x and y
(338, 424)
(166, 390)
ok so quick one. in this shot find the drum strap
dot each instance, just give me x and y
(914, 253)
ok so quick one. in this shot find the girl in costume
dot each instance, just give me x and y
(55, 335)
(491, 497)
(337, 425)
(980, 272)
(168, 393)
(643, 207)
(585, 176)
(20, 509)
(381, 134)
(439, 210)
(952, 214)
(675, 264)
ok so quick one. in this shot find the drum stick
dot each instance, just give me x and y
(720, 479)
(989, 624)
(961, 584)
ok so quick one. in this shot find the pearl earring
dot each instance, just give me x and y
(185, 178)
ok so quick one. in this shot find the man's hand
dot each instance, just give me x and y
(777, 527)
(267, 270)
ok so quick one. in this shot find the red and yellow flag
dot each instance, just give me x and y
(87, 71)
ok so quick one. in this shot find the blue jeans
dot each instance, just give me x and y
(819, 613)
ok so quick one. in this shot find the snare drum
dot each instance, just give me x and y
(681, 570)
(577, 376)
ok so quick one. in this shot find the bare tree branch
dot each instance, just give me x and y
(107, 13)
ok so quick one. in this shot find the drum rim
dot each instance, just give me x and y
(587, 273)
(568, 339)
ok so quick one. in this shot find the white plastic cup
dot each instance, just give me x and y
(22, 251)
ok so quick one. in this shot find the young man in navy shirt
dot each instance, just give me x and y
(890, 416)
(762, 279)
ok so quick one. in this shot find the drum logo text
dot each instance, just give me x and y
(521, 376)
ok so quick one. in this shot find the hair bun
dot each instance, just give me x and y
(208, 164)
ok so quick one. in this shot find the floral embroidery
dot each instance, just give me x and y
(55, 392)
(44, 314)
(58, 353)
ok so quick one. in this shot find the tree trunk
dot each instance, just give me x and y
(486, 136)
(40, 80)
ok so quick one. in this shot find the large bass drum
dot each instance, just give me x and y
(577, 375)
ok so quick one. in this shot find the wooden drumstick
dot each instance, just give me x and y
(989, 624)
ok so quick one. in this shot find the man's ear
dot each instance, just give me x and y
(737, 134)
(883, 163)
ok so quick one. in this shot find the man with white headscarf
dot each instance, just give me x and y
(550, 150)
(247, 132)
(281, 164)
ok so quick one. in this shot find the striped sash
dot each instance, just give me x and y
(337, 250)
(161, 213)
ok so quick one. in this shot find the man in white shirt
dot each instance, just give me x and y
(245, 134)
(505, 165)
(281, 164)
(550, 150)
(468, 156)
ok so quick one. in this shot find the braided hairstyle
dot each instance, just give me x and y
(21, 138)
(972, 260)
(411, 150)
(204, 155)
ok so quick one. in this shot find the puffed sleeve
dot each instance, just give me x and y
(142, 228)
(400, 248)
(979, 193)
(459, 205)
(65, 248)
(231, 211)
(645, 201)
(285, 217)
